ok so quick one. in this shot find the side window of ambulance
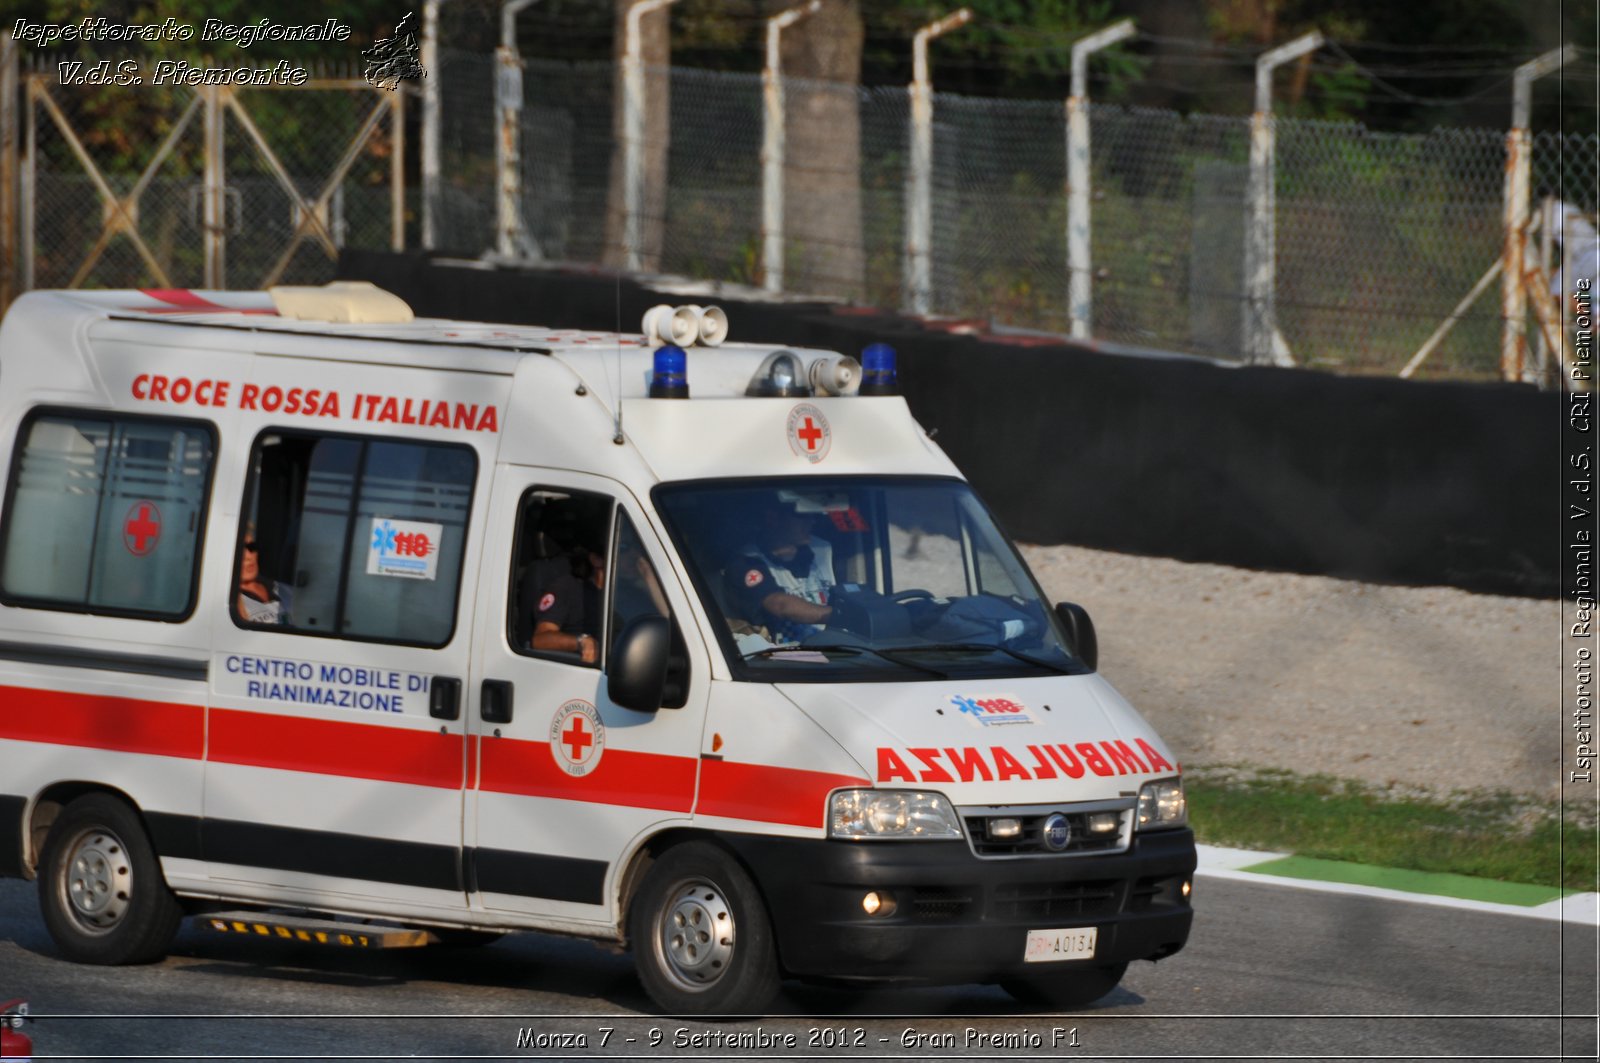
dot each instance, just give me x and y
(635, 586)
(352, 537)
(106, 514)
(558, 579)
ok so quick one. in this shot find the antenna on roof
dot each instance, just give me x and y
(617, 395)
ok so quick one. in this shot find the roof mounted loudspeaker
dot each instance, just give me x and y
(713, 322)
(684, 326)
(679, 326)
(342, 302)
(835, 376)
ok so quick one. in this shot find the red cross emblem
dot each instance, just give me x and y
(809, 434)
(141, 528)
(576, 739)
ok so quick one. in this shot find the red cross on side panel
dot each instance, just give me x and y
(576, 739)
(141, 529)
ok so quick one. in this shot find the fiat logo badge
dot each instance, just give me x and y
(1057, 832)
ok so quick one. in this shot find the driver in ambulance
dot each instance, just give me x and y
(782, 581)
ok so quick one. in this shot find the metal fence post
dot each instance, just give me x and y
(1079, 262)
(772, 147)
(29, 185)
(8, 169)
(633, 132)
(430, 122)
(1513, 300)
(1262, 343)
(213, 210)
(512, 234)
(919, 204)
(397, 171)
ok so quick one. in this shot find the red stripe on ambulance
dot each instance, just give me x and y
(623, 777)
(760, 793)
(332, 747)
(184, 301)
(102, 721)
(767, 794)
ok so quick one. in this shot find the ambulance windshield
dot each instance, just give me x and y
(861, 578)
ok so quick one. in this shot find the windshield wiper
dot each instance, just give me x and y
(981, 647)
(843, 648)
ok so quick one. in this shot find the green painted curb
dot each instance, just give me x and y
(1435, 882)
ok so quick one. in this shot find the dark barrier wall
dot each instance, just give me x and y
(1365, 478)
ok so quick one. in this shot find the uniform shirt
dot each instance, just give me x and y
(560, 598)
(807, 575)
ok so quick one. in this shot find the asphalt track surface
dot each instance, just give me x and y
(1270, 972)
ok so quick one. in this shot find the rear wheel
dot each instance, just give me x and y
(101, 890)
(1066, 990)
(702, 941)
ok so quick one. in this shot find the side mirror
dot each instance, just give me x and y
(1080, 632)
(637, 675)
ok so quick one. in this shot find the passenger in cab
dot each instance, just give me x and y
(566, 602)
(782, 581)
(258, 603)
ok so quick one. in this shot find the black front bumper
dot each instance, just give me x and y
(959, 918)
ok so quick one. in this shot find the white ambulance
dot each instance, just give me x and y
(323, 622)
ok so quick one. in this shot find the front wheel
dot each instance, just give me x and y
(702, 941)
(101, 889)
(1066, 990)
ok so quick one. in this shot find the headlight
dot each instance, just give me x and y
(1161, 804)
(891, 814)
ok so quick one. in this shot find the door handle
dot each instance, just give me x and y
(444, 697)
(494, 701)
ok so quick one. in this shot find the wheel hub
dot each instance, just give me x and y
(697, 935)
(99, 880)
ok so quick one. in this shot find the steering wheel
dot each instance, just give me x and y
(909, 595)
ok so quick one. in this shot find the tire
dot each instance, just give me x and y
(101, 890)
(702, 941)
(1066, 990)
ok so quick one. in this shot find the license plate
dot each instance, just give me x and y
(1050, 946)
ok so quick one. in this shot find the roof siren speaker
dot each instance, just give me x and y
(835, 376)
(678, 326)
(713, 325)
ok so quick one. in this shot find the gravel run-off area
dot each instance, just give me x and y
(1414, 688)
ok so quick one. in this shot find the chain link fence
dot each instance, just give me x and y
(113, 189)
(1379, 235)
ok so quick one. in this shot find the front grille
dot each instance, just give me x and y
(938, 903)
(1054, 900)
(1029, 841)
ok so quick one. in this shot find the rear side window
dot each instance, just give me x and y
(355, 538)
(105, 514)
